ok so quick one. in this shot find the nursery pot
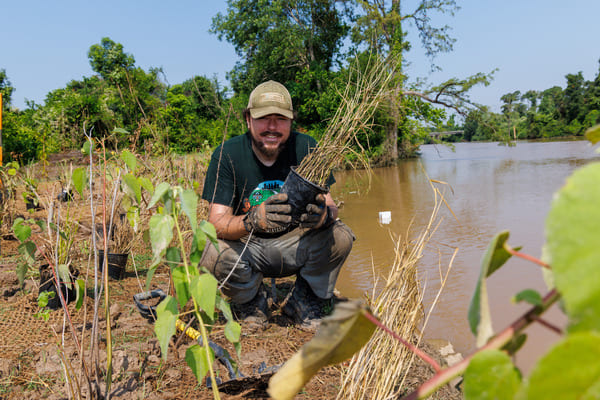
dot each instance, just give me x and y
(48, 284)
(65, 195)
(300, 193)
(30, 204)
(116, 264)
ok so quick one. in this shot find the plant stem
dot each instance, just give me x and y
(497, 342)
(413, 348)
(526, 257)
(106, 291)
(203, 331)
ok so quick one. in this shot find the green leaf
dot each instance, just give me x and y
(161, 234)
(225, 308)
(120, 131)
(146, 184)
(129, 159)
(480, 319)
(133, 184)
(159, 192)
(233, 330)
(570, 370)
(204, 292)
(22, 231)
(210, 231)
(164, 327)
(28, 250)
(80, 288)
(182, 288)
(79, 179)
(515, 343)
(173, 257)
(491, 375)
(195, 357)
(593, 134)
(572, 247)
(340, 336)
(528, 295)
(198, 245)
(189, 204)
(88, 148)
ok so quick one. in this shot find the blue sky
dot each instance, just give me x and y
(533, 43)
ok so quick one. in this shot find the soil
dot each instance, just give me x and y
(34, 353)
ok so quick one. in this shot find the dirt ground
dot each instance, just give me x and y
(34, 352)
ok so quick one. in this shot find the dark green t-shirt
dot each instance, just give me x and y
(235, 171)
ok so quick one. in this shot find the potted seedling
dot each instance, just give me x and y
(363, 93)
(119, 246)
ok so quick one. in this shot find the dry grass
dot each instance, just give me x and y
(365, 90)
(379, 370)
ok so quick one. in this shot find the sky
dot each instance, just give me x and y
(532, 43)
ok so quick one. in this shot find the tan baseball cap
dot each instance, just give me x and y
(270, 98)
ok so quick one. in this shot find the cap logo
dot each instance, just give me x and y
(272, 96)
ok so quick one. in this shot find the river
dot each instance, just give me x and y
(489, 188)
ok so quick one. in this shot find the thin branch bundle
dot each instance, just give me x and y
(365, 90)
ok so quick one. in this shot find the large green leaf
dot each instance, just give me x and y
(196, 358)
(133, 185)
(79, 179)
(570, 370)
(198, 245)
(21, 230)
(129, 160)
(491, 375)
(189, 204)
(480, 319)
(159, 192)
(232, 331)
(572, 244)
(164, 327)
(593, 134)
(340, 336)
(182, 288)
(210, 231)
(204, 292)
(161, 234)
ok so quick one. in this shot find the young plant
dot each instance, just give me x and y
(190, 280)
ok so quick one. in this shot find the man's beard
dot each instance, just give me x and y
(260, 146)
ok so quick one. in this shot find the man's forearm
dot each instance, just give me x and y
(229, 227)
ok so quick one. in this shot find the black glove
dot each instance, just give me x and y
(316, 214)
(271, 216)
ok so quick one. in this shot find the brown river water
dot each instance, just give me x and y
(490, 188)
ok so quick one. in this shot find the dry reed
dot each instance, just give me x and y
(379, 370)
(365, 89)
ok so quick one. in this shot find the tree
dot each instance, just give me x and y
(382, 27)
(6, 89)
(279, 39)
(574, 97)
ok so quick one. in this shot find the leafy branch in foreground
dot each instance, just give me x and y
(570, 369)
(190, 280)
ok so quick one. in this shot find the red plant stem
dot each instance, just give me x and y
(497, 342)
(548, 325)
(527, 257)
(413, 348)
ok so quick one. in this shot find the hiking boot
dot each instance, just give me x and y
(304, 307)
(254, 312)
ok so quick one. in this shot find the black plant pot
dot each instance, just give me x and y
(31, 204)
(65, 195)
(48, 284)
(300, 193)
(117, 262)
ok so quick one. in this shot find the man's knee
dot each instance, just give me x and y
(343, 238)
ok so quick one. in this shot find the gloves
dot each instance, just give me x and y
(316, 214)
(271, 216)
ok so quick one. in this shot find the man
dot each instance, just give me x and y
(257, 237)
